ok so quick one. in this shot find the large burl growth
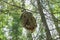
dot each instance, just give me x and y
(28, 21)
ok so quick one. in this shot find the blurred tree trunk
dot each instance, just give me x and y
(54, 19)
(15, 26)
(44, 20)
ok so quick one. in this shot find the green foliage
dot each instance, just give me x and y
(56, 8)
(9, 18)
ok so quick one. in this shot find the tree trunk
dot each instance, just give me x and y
(54, 19)
(29, 36)
(44, 20)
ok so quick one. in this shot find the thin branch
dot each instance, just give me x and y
(20, 7)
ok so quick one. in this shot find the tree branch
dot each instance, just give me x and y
(20, 7)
